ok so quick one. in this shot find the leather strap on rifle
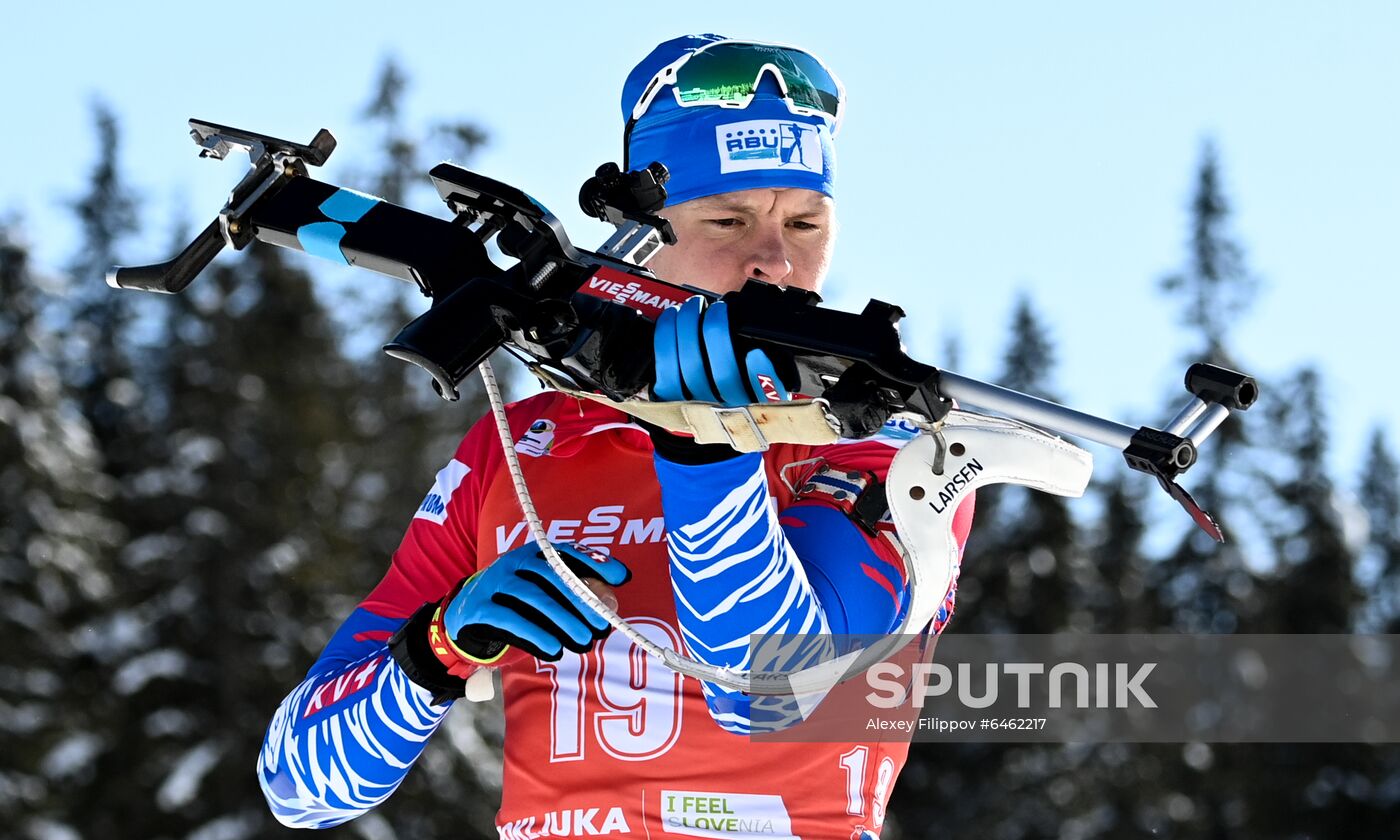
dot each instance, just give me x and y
(745, 428)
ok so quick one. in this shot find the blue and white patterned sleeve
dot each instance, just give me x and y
(735, 574)
(345, 738)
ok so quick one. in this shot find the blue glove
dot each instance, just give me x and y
(696, 359)
(519, 600)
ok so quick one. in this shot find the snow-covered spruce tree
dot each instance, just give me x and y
(56, 589)
(1203, 586)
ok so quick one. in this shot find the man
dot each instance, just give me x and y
(699, 546)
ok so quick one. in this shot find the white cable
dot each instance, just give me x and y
(551, 554)
(734, 680)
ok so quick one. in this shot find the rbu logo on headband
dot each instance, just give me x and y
(768, 144)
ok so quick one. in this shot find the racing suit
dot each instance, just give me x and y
(611, 742)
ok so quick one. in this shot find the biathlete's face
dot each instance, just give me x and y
(779, 235)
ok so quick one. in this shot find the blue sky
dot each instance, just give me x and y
(989, 149)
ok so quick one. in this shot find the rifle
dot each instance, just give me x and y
(582, 320)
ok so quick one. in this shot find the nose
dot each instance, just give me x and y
(768, 259)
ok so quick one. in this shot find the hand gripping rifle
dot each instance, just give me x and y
(582, 321)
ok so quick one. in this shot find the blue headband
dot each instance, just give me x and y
(711, 150)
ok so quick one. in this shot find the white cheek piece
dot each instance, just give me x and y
(936, 471)
(927, 480)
